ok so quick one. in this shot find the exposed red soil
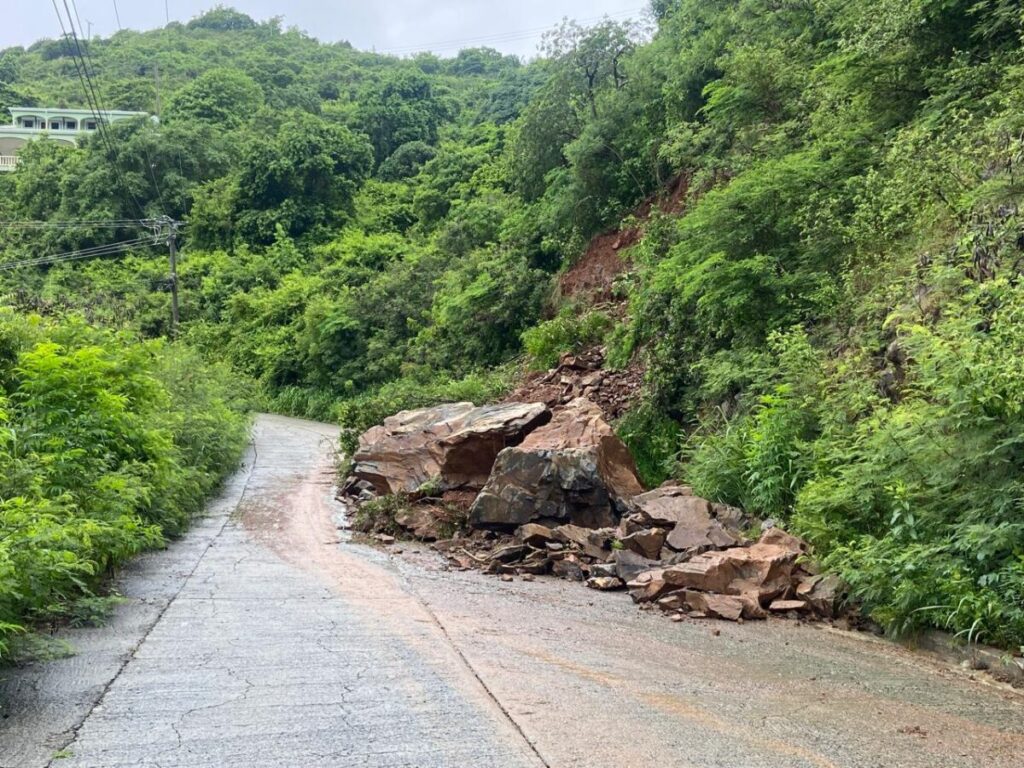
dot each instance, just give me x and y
(592, 277)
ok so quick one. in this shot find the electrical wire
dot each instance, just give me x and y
(77, 224)
(92, 98)
(94, 108)
(84, 253)
(149, 158)
(90, 76)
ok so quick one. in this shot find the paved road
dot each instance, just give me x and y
(262, 640)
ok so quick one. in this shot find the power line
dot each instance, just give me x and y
(92, 98)
(145, 148)
(84, 253)
(76, 224)
(163, 230)
(87, 63)
(93, 107)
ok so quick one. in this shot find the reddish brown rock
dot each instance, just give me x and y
(454, 444)
(574, 469)
(692, 528)
(535, 535)
(424, 522)
(787, 541)
(715, 606)
(782, 606)
(568, 567)
(647, 586)
(763, 570)
(629, 565)
(673, 601)
(822, 593)
(604, 583)
(647, 542)
(594, 543)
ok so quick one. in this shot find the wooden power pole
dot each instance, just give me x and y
(169, 228)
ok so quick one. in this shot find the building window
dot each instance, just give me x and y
(90, 125)
(71, 124)
(54, 125)
(28, 122)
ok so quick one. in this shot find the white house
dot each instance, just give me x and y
(28, 123)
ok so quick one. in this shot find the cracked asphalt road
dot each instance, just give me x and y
(263, 639)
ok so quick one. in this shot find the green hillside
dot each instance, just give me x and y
(831, 319)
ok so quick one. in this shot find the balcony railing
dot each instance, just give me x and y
(8, 162)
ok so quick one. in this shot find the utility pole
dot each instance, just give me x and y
(167, 228)
(172, 246)
(156, 74)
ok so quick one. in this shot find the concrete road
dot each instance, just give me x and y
(262, 639)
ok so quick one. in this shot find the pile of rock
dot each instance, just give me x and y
(674, 550)
(554, 491)
(582, 375)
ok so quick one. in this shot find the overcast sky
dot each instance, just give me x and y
(392, 26)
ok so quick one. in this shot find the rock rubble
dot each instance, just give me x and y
(532, 490)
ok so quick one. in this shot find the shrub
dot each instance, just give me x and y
(571, 331)
(107, 445)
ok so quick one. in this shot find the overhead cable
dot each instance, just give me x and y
(84, 253)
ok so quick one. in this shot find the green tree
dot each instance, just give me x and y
(225, 98)
(304, 177)
(402, 106)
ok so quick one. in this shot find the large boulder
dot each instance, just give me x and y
(453, 444)
(574, 469)
(763, 571)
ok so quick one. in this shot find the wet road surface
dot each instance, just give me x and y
(262, 639)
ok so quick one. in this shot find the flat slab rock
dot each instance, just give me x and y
(765, 570)
(574, 469)
(455, 444)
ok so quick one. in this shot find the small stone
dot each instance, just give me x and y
(569, 568)
(602, 569)
(781, 606)
(528, 577)
(678, 617)
(605, 583)
(507, 577)
(716, 632)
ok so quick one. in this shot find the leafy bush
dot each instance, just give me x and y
(570, 331)
(652, 438)
(107, 445)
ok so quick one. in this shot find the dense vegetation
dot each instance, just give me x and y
(107, 445)
(832, 327)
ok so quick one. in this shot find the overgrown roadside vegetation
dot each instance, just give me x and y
(830, 319)
(107, 446)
